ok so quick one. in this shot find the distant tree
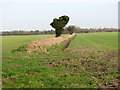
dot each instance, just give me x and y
(36, 32)
(70, 29)
(59, 24)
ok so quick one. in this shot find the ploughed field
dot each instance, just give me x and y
(90, 61)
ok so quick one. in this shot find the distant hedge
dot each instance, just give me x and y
(45, 32)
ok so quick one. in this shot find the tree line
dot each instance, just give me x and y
(67, 30)
(76, 29)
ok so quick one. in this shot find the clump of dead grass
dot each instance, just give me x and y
(42, 44)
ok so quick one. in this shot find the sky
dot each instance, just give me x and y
(38, 14)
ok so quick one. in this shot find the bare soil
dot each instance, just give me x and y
(9, 79)
(6, 59)
(31, 73)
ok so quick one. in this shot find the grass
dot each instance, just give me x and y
(103, 40)
(12, 42)
(98, 53)
(90, 62)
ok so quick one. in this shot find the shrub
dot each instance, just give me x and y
(70, 29)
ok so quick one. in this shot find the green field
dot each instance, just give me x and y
(12, 42)
(91, 61)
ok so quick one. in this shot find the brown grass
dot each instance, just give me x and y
(40, 45)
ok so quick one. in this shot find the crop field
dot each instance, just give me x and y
(90, 61)
(12, 42)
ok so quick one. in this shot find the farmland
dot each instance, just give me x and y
(13, 42)
(91, 61)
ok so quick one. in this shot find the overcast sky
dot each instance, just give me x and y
(38, 14)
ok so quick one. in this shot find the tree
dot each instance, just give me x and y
(59, 24)
(70, 29)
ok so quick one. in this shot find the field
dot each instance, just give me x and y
(90, 61)
(12, 42)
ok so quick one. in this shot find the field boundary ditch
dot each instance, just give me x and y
(65, 47)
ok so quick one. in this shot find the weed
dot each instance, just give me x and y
(20, 49)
